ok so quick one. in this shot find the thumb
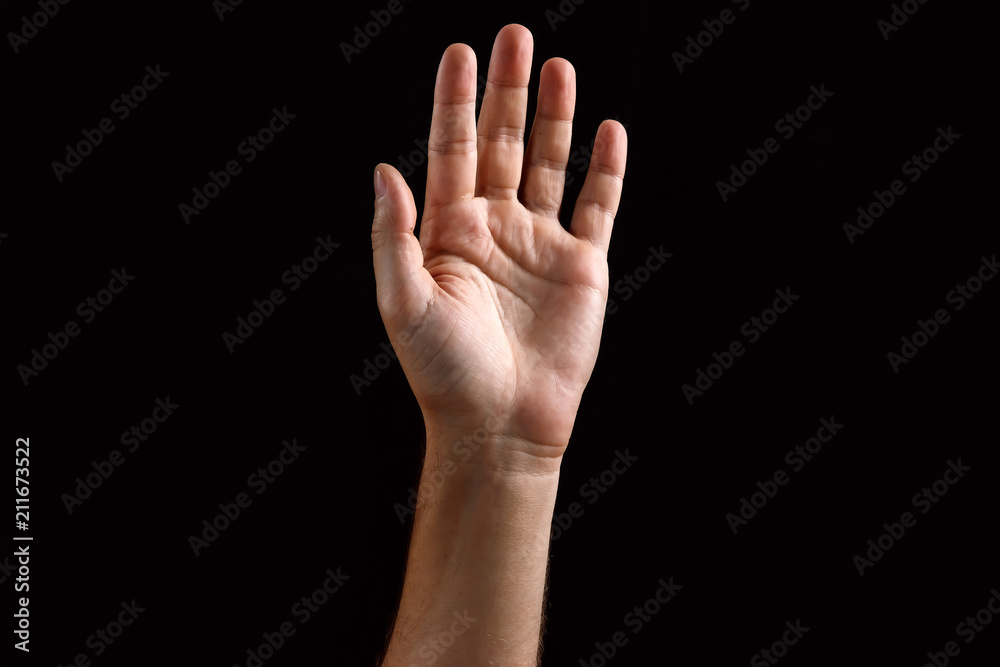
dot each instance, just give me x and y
(403, 285)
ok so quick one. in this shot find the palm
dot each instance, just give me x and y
(503, 316)
(521, 307)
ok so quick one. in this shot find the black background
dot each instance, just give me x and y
(334, 507)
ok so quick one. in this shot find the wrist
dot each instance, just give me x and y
(488, 448)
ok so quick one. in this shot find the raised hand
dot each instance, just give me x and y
(496, 312)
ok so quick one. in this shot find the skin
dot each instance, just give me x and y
(496, 315)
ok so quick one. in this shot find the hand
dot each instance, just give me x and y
(496, 312)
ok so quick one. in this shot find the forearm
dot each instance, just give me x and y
(476, 572)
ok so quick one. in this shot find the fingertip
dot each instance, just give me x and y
(561, 66)
(459, 50)
(614, 127)
(515, 32)
(379, 181)
(612, 144)
(557, 89)
(456, 76)
(514, 44)
(559, 75)
(397, 197)
(460, 58)
(391, 175)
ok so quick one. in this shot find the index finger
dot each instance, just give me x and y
(451, 147)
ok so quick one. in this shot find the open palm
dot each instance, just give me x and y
(496, 312)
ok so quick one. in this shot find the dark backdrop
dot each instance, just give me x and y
(337, 507)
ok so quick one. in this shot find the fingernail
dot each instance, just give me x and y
(379, 183)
